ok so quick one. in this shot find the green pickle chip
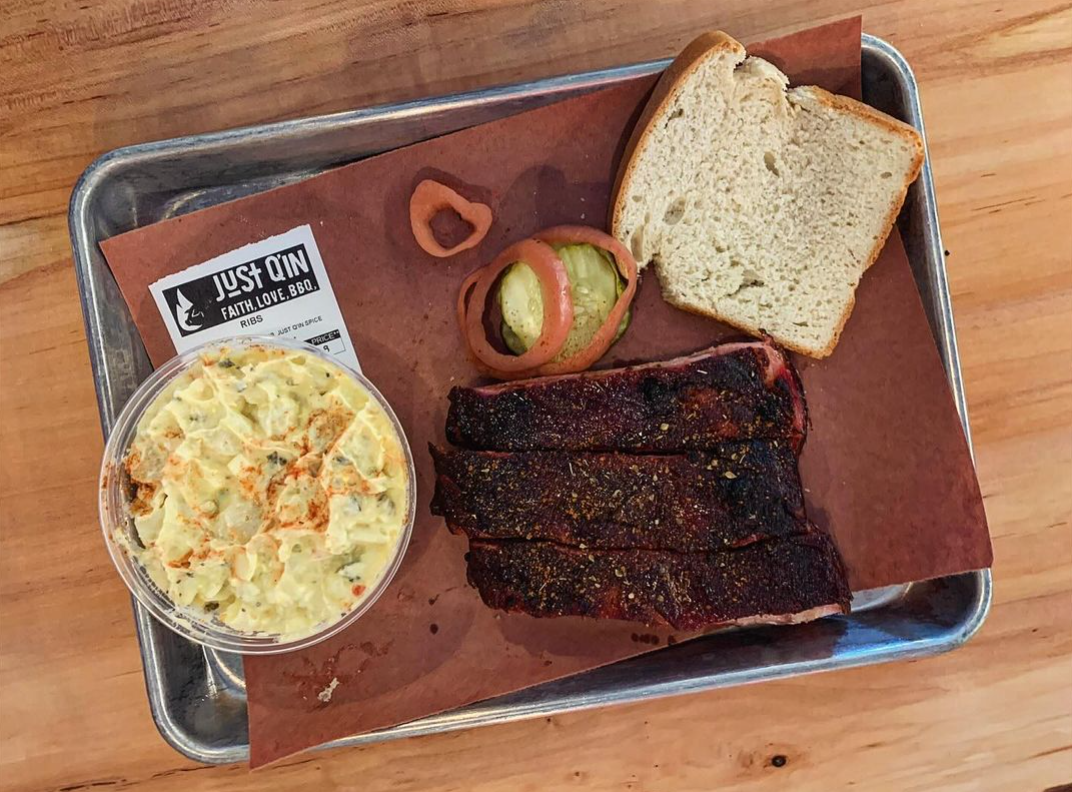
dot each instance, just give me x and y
(595, 286)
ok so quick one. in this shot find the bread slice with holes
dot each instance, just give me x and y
(760, 205)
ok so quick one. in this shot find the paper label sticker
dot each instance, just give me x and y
(277, 286)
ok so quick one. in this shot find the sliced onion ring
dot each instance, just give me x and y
(463, 302)
(604, 337)
(431, 197)
(557, 309)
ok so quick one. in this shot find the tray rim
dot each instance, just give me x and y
(95, 176)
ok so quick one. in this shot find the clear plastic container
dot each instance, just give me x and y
(114, 502)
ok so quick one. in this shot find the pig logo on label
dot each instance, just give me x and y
(185, 312)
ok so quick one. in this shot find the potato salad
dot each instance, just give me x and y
(269, 489)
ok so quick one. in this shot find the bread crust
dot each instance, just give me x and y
(663, 95)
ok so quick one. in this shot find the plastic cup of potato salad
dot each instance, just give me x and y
(256, 495)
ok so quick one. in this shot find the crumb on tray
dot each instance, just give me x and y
(325, 694)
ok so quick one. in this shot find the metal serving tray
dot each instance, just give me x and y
(197, 696)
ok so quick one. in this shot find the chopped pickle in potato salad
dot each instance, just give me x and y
(269, 489)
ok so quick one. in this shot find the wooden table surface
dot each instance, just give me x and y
(78, 79)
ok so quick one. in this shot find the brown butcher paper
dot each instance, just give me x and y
(886, 466)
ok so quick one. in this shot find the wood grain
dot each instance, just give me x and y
(77, 79)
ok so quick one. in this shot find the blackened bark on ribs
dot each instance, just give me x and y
(786, 580)
(736, 494)
(730, 392)
(666, 493)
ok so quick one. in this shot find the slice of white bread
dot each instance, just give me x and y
(760, 206)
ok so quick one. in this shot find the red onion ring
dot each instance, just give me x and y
(557, 309)
(428, 199)
(627, 266)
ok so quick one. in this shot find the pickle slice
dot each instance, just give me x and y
(595, 286)
(512, 341)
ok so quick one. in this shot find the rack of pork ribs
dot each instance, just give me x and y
(667, 493)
